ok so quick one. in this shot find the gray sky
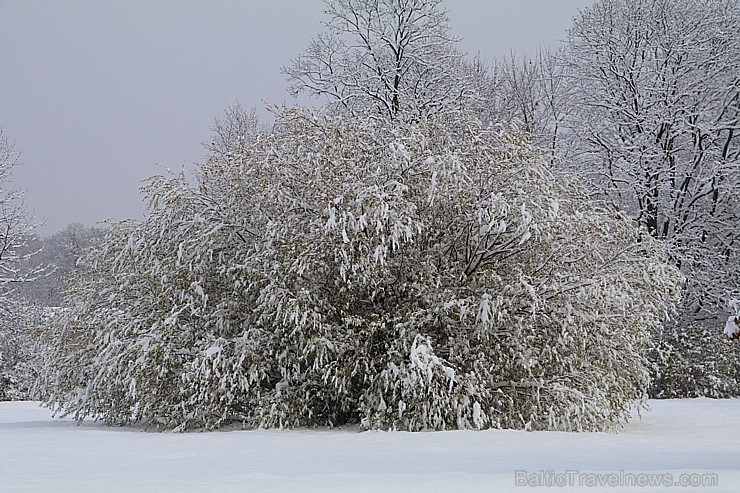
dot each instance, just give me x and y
(98, 95)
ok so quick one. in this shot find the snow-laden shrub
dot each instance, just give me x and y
(695, 361)
(13, 362)
(426, 276)
(18, 347)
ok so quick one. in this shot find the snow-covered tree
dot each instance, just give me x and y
(16, 226)
(16, 233)
(653, 121)
(396, 56)
(426, 275)
(642, 102)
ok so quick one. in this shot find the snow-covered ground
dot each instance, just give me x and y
(678, 440)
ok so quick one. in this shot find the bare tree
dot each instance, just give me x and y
(16, 229)
(531, 92)
(16, 234)
(232, 132)
(654, 123)
(392, 55)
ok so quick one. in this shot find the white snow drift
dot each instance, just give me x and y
(678, 440)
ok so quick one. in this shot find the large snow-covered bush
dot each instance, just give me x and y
(433, 275)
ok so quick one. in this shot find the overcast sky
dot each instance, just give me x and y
(100, 94)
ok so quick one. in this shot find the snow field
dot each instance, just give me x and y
(40, 454)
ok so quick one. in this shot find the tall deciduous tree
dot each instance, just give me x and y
(16, 234)
(531, 91)
(655, 122)
(391, 55)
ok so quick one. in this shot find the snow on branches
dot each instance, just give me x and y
(653, 118)
(431, 275)
(396, 56)
(17, 266)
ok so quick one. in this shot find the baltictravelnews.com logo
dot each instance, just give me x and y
(615, 479)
